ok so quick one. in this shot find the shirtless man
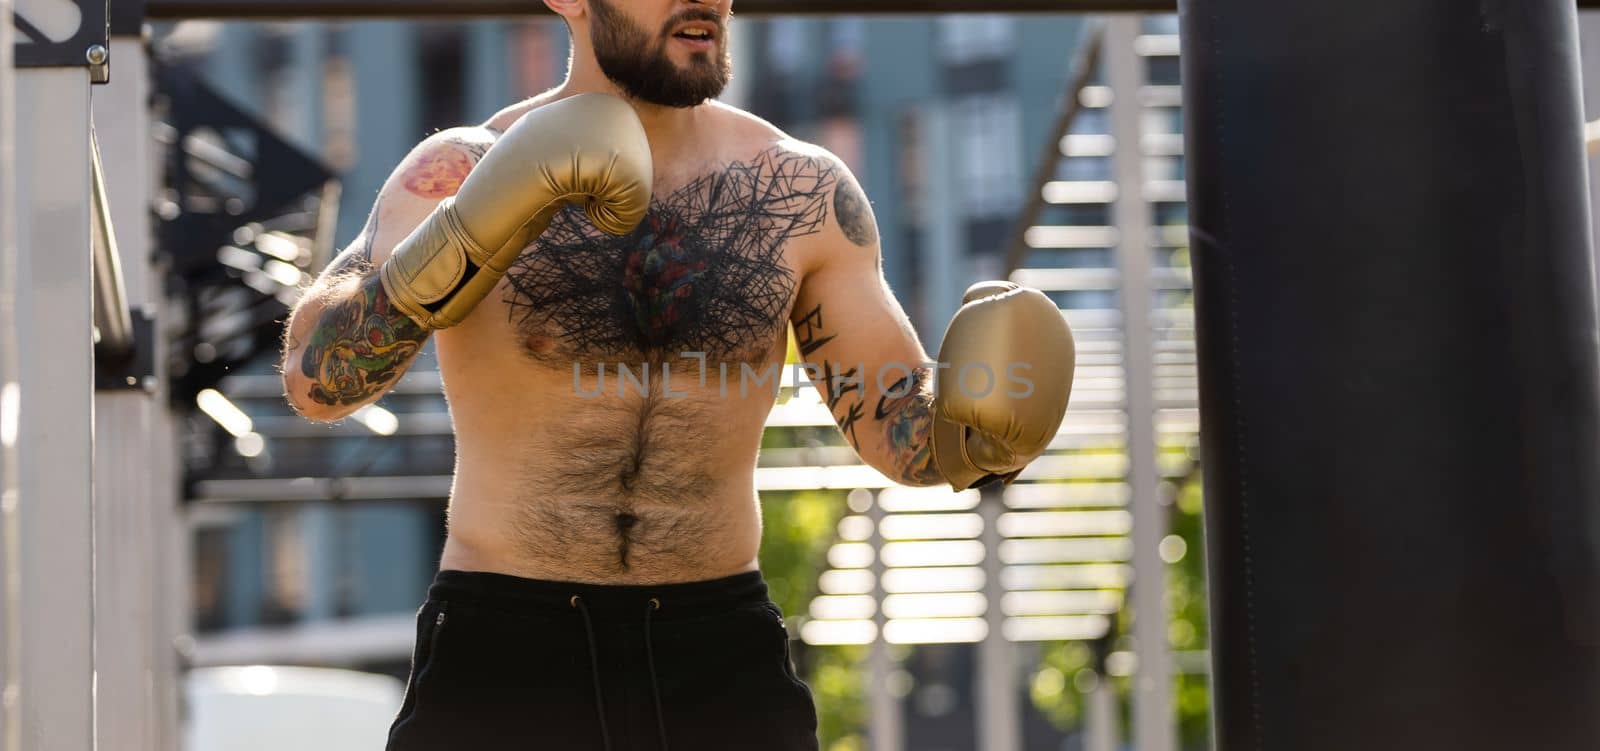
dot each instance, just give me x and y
(610, 271)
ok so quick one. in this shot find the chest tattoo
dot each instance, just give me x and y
(703, 273)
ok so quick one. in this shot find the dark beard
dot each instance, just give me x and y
(643, 71)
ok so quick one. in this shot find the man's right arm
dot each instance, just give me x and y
(439, 241)
(346, 344)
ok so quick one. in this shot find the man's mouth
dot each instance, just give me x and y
(698, 34)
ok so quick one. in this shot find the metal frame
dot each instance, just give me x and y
(10, 401)
(84, 658)
(1153, 726)
(1084, 68)
(55, 430)
(998, 699)
(113, 322)
(38, 45)
(139, 601)
(46, 543)
(127, 536)
(322, 9)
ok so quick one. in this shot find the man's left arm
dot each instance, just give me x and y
(987, 409)
(863, 354)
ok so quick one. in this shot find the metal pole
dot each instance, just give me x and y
(1153, 727)
(1084, 67)
(323, 9)
(113, 325)
(1589, 58)
(997, 695)
(54, 431)
(10, 401)
(885, 731)
(1100, 718)
(942, 277)
(136, 675)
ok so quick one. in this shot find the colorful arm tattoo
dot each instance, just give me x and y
(906, 413)
(359, 347)
(437, 173)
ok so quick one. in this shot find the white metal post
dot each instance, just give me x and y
(1101, 720)
(885, 723)
(1153, 726)
(172, 543)
(998, 701)
(55, 430)
(942, 238)
(10, 401)
(135, 491)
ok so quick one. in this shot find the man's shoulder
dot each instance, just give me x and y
(508, 116)
(446, 156)
(472, 139)
(756, 130)
(438, 165)
(742, 123)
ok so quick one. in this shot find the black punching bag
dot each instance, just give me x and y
(1397, 337)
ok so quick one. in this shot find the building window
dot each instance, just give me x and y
(1084, 168)
(1091, 122)
(286, 567)
(1161, 24)
(537, 55)
(210, 578)
(847, 37)
(786, 44)
(443, 69)
(988, 130)
(968, 39)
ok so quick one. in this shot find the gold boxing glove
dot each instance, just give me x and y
(1005, 376)
(588, 149)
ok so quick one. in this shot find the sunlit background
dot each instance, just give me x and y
(989, 145)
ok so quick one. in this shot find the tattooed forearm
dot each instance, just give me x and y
(854, 213)
(903, 416)
(360, 347)
(905, 411)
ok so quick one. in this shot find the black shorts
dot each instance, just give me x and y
(503, 662)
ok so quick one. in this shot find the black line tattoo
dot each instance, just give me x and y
(703, 272)
(837, 384)
(808, 332)
(476, 148)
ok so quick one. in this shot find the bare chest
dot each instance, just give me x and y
(710, 271)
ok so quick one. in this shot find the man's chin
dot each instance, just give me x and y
(699, 97)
